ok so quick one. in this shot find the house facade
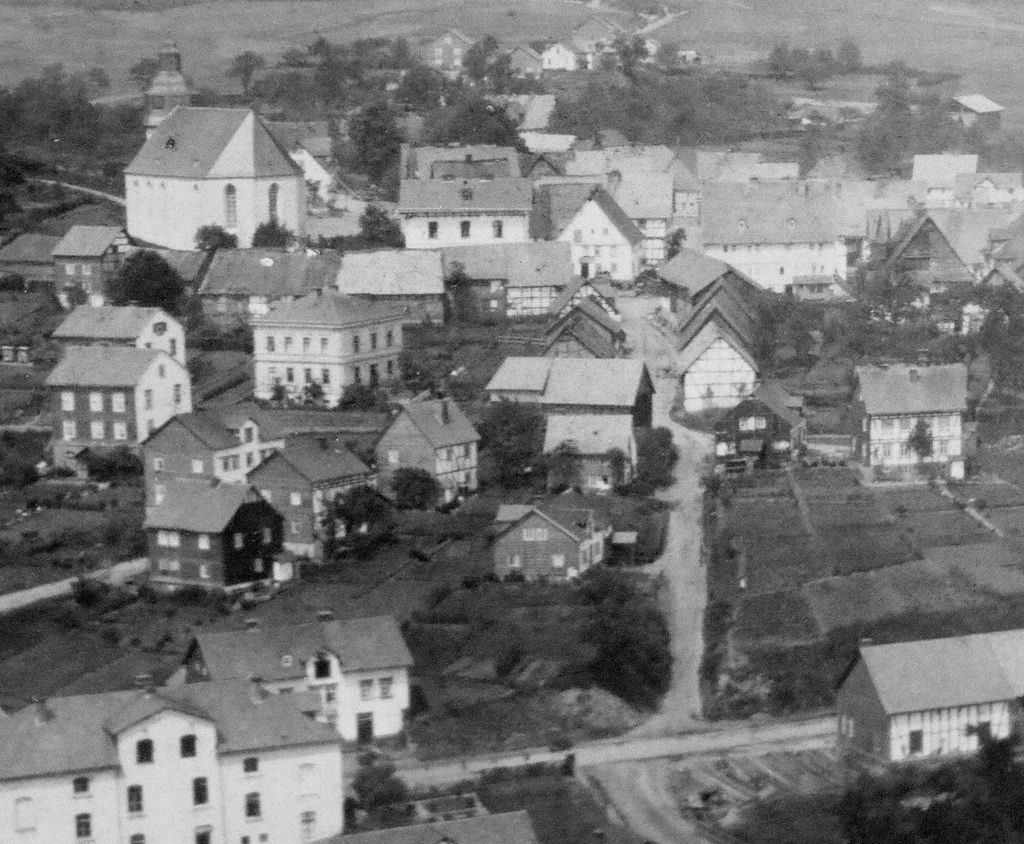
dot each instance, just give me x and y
(210, 763)
(765, 429)
(220, 536)
(559, 56)
(84, 260)
(107, 397)
(902, 401)
(584, 331)
(447, 52)
(896, 703)
(435, 436)
(211, 166)
(604, 446)
(357, 670)
(128, 326)
(976, 110)
(546, 541)
(302, 481)
(329, 340)
(435, 212)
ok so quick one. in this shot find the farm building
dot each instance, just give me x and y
(554, 540)
(767, 427)
(604, 447)
(584, 331)
(976, 110)
(936, 697)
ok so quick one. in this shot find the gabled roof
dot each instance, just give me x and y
(437, 195)
(270, 273)
(507, 828)
(87, 241)
(532, 264)
(598, 342)
(968, 182)
(292, 134)
(595, 381)
(107, 323)
(644, 196)
(71, 734)
(29, 248)
(188, 264)
(540, 142)
(591, 433)
(330, 310)
(967, 231)
(198, 506)
(773, 396)
(903, 388)
(207, 426)
(391, 272)
(957, 671)
(315, 462)
(572, 522)
(103, 366)
(196, 143)
(421, 162)
(590, 311)
(772, 212)
(429, 417)
(361, 644)
(692, 270)
(277, 423)
(694, 342)
(942, 168)
(556, 206)
(458, 34)
(978, 103)
(520, 375)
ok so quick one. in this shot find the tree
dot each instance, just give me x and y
(920, 440)
(512, 437)
(376, 138)
(780, 64)
(460, 291)
(415, 489)
(244, 66)
(313, 393)
(147, 279)
(849, 57)
(473, 120)
(11, 177)
(272, 235)
(379, 230)
(142, 72)
(279, 394)
(668, 55)
(656, 455)
(477, 60)
(376, 785)
(209, 238)
(565, 468)
(99, 80)
(362, 507)
(294, 57)
(617, 463)
(421, 87)
(631, 51)
(674, 243)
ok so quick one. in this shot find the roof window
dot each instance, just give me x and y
(170, 143)
(286, 661)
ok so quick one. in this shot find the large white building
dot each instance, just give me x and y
(464, 212)
(211, 166)
(328, 339)
(203, 763)
(357, 670)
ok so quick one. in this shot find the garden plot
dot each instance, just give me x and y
(775, 618)
(1010, 520)
(943, 528)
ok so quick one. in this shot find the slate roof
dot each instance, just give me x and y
(599, 382)
(78, 733)
(645, 195)
(197, 506)
(591, 311)
(692, 270)
(188, 264)
(391, 272)
(427, 416)
(556, 205)
(940, 673)
(770, 212)
(291, 134)
(438, 195)
(520, 374)
(967, 231)
(266, 272)
(330, 310)
(419, 162)
(547, 142)
(537, 264)
(208, 426)
(591, 433)
(277, 423)
(315, 462)
(107, 323)
(29, 248)
(191, 142)
(903, 388)
(506, 828)
(978, 103)
(359, 643)
(102, 366)
(87, 241)
(942, 168)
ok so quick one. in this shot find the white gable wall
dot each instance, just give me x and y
(595, 240)
(416, 228)
(775, 265)
(719, 378)
(161, 388)
(559, 57)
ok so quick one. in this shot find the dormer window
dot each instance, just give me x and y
(322, 667)
(286, 661)
(466, 193)
(159, 328)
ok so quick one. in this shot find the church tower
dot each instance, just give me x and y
(168, 89)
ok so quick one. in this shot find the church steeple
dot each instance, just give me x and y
(168, 89)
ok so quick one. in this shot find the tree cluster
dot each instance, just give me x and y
(656, 456)
(512, 436)
(147, 279)
(814, 66)
(415, 489)
(472, 119)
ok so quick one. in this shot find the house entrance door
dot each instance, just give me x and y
(364, 727)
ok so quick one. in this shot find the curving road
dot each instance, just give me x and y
(109, 197)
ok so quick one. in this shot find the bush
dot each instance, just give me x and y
(88, 592)
(118, 464)
(415, 489)
(656, 457)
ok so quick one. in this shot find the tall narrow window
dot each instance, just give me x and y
(200, 792)
(272, 202)
(252, 804)
(134, 799)
(230, 206)
(144, 750)
(83, 825)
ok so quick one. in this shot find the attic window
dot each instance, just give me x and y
(467, 193)
(170, 143)
(266, 262)
(286, 661)
(743, 225)
(791, 223)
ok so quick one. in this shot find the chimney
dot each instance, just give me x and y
(43, 711)
(257, 693)
(445, 413)
(252, 624)
(325, 615)
(614, 180)
(914, 376)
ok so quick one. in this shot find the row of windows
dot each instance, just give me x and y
(903, 449)
(294, 498)
(172, 539)
(231, 204)
(97, 430)
(465, 229)
(386, 685)
(117, 402)
(288, 342)
(373, 374)
(577, 234)
(906, 423)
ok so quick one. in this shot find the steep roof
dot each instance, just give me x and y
(591, 311)
(942, 168)
(420, 162)
(978, 103)
(521, 374)
(29, 248)
(70, 734)
(556, 206)
(315, 462)
(291, 134)
(506, 828)
(102, 366)
(107, 323)
(939, 673)
(196, 143)
(190, 265)
(267, 272)
(429, 419)
(359, 643)
(692, 270)
(536, 264)
(967, 231)
(330, 310)
(903, 388)
(591, 433)
(645, 195)
(276, 423)
(770, 212)
(198, 506)
(500, 194)
(391, 272)
(87, 241)
(595, 381)
(595, 340)
(207, 426)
